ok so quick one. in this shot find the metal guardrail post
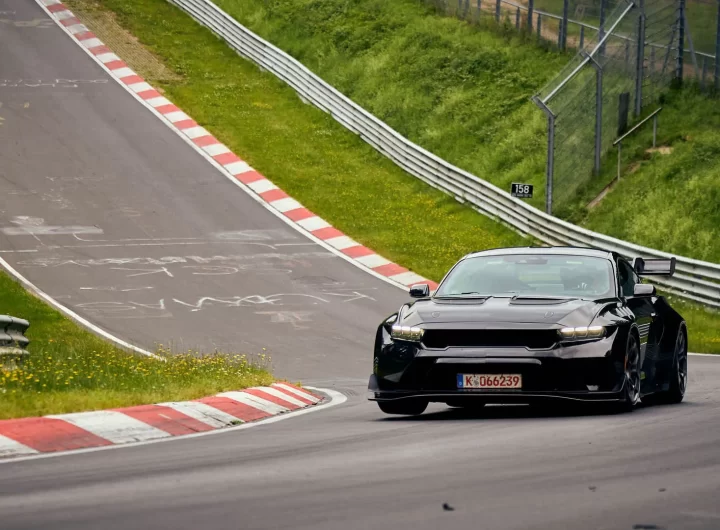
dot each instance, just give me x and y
(531, 8)
(563, 31)
(640, 64)
(13, 342)
(497, 10)
(681, 41)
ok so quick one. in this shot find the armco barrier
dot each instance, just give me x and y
(694, 279)
(13, 342)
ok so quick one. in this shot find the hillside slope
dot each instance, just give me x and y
(463, 93)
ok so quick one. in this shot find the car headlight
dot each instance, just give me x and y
(584, 332)
(407, 333)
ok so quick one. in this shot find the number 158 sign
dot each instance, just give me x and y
(523, 191)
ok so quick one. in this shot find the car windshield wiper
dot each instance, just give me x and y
(542, 297)
(470, 294)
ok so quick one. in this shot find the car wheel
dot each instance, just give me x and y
(632, 374)
(406, 407)
(678, 374)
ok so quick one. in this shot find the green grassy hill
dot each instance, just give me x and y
(463, 92)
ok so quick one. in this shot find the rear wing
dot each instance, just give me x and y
(654, 267)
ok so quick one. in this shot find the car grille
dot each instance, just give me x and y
(524, 338)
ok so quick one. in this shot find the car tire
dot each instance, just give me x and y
(631, 388)
(404, 407)
(678, 374)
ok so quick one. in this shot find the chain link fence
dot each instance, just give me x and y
(628, 53)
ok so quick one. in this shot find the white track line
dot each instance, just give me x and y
(336, 398)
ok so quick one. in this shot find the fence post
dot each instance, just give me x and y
(582, 37)
(598, 117)
(479, 8)
(655, 130)
(550, 169)
(563, 31)
(639, 71)
(703, 84)
(517, 19)
(681, 42)
(717, 51)
(531, 7)
(539, 26)
(497, 11)
(603, 8)
(619, 155)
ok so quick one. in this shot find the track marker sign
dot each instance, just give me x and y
(523, 191)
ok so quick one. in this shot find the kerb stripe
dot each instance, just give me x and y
(114, 426)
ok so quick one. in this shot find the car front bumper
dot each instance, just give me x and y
(590, 371)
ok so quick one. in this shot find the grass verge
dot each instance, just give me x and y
(71, 370)
(314, 159)
(463, 92)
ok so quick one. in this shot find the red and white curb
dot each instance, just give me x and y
(144, 423)
(252, 181)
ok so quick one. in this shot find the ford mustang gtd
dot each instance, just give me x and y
(533, 324)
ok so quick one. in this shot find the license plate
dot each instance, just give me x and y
(489, 381)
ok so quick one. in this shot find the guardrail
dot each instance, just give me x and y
(13, 342)
(694, 279)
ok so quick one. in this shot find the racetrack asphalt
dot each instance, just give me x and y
(86, 154)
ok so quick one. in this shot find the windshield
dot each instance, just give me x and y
(531, 275)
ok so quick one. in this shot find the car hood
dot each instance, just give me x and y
(493, 310)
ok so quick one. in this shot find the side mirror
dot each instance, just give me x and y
(644, 289)
(421, 290)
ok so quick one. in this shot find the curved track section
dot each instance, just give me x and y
(113, 214)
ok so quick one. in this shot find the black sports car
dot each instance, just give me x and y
(532, 324)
